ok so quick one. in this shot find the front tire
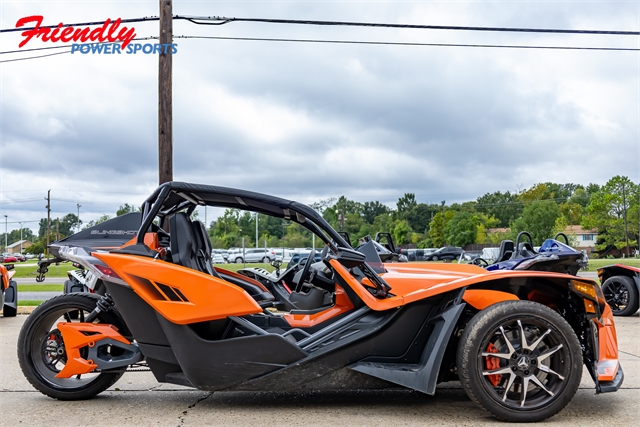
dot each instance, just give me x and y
(519, 360)
(621, 295)
(435, 258)
(39, 335)
(238, 260)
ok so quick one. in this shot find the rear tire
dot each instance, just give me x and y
(621, 294)
(548, 366)
(238, 260)
(266, 260)
(38, 331)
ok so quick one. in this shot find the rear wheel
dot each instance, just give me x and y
(41, 350)
(266, 260)
(238, 260)
(621, 295)
(519, 360)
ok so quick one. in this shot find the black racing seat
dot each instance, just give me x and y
(505, 251)
(525, 250)
(190, 247)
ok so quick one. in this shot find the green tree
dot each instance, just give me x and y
(462, 229)
(126, 208)
(100, 220)
(504, 206)
(607, 210)
(402, 232)
(538, 218)
(437, 228)
(370, 210)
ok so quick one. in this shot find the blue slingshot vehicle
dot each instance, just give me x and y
(553, 256)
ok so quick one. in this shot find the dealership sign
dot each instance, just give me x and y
(110, 38)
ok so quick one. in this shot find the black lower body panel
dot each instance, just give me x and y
(212, 365)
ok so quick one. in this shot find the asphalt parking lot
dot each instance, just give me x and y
(138, 400)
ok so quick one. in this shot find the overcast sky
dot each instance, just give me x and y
(312, 121)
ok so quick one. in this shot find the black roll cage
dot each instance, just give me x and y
(175, 196)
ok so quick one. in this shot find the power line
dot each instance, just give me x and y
(34, 57)
(58, 47)
(409, 43)
(356, 42)
(220, 20)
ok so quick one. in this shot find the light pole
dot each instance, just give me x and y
(79, 206)
(5, 233)
(257, 229)
(20, 222)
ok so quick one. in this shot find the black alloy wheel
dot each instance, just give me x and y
(519, 360)
(42, 354)
(621, 294)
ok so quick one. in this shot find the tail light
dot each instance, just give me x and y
(107, 271)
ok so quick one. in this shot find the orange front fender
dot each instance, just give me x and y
(483, 298)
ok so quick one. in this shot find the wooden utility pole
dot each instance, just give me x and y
(165, 119)
(48, 220)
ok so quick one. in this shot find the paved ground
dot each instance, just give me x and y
(138, 400)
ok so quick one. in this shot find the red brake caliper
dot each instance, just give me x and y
(493, 363)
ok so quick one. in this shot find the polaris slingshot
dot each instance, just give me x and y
(516, 340)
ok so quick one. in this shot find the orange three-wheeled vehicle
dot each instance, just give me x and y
(516, 340)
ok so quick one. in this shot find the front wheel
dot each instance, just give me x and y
(434, 258)
(621, 295)
(519, 360)
(41, 350)
(238, 260)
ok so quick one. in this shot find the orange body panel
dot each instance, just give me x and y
(5, 276)
(342, 305)
(73, 335)
(483, 298)
(180, 294)
(417, 281)
(607, 365)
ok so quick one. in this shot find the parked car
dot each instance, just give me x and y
(20, 257)
(217, 259)
(302, 256)
(253, 255)
(7, 258)
(446, 253)
(222, 252)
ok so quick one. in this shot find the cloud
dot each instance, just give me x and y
(310, 121)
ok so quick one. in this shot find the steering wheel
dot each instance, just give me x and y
(305, 271)
(481, 262)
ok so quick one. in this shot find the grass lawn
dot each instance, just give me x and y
(594, 264)
(30, 302)
(41, 288)
(54, 271)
